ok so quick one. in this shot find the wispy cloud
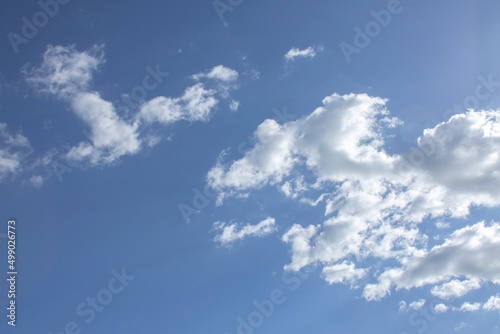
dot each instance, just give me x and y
(229, 233)
(67, 74)
(14, 149)
(295, 53)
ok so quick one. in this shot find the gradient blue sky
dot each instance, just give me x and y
(73, 231)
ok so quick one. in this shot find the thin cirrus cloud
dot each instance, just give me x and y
(230, 233)
(67, 74)
(375, 202)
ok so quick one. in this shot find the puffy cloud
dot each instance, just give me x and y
(111, 137)
(65, 71)
(417, 305)
(294, 53)
(455, 288)
(338, 141)
(468, 307)
(220, 73)
(232, 233)
(375, 201)
(196, 104)
(441, 308)
(492, 304)
(471, 142)
(270, 159)
(225, 79)
(343, 273)
(14, 148)
(442, 225)
(470, 252)
(300, 238)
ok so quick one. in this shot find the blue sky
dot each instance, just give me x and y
(252, 167)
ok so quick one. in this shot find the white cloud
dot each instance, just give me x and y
(309, 52)
(67, 74)
(196, 104)
(468, 307)
(344, 272)
(300, 238)
(442, 225)
(328, 141)
(455, 288)
(232, 233)
(220, 73)
(234, 105)
(111, 136)
(375, 201)
(456, 257)
(417, 305)
(14, 149)
(65, 71)
(470, 141)
(36, 181)
(441, 308)
(492, 304)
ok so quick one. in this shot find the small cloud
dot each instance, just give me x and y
(309, 52)
(36, 181)
(442, 225)
(455, 288)
(468, 307)
(254, 74)
(441, 308)
(234, 105)
(220, 73)
(417, 305)
(492, 304)
(342, 273)
(402, 306)
(231, 233)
